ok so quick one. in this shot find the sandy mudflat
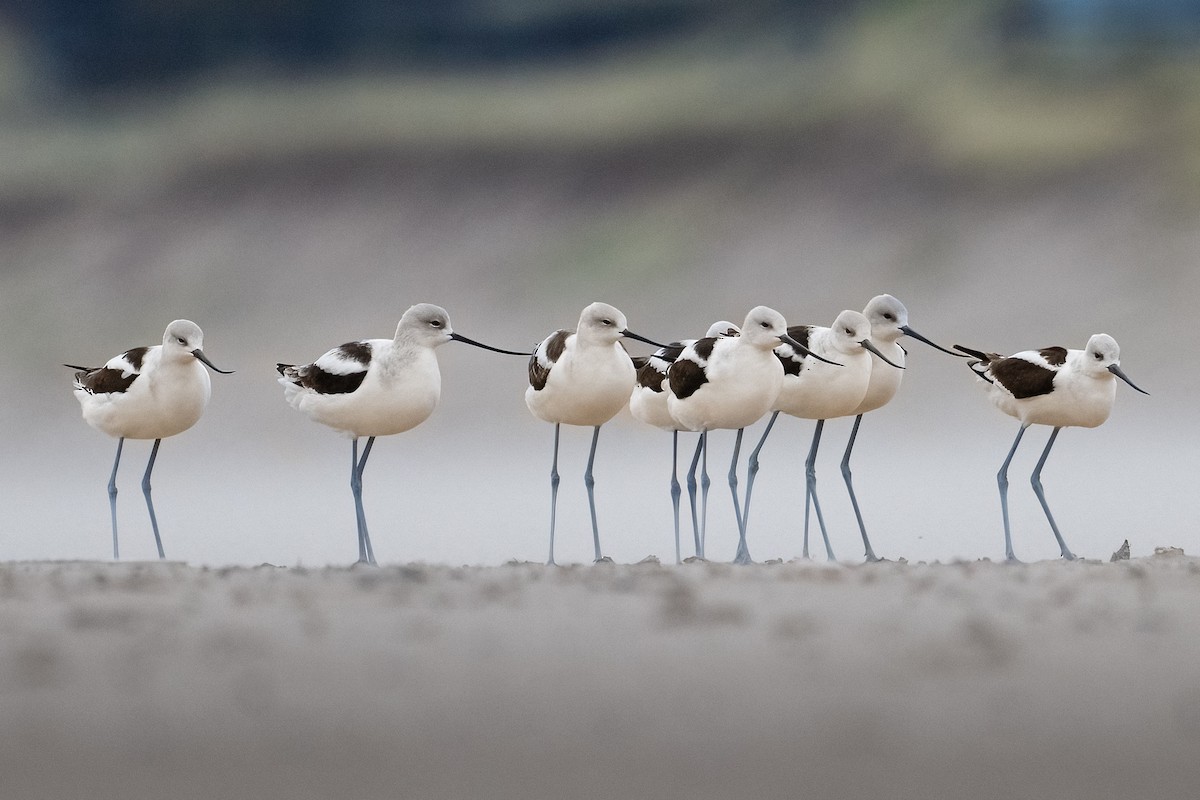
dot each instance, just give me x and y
(973, 680)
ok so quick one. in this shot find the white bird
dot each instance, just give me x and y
(648, 403)
(147, 393)
(375, 387)
(1052, 386)
(818, 391)
(729, 383)
(582, 377)
(889, 321)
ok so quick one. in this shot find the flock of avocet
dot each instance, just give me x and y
(729, 379)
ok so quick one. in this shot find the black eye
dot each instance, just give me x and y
(181, 340)
(1099, 356)
(765, 324)
(437, 323)
(889, 317)
(606, 322)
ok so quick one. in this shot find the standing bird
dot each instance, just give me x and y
(813, 390)
(147, 393)
(1052, 386)
(648, 403)
(582, 378)
(375, 387)
(889, 321)
(730, 383)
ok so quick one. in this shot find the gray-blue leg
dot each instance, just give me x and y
(810, 492)
(362, 465)
(554, 480)
(743, 552)
(149, 502)
(1036, 480)
(751, 471)
(870, 553)
(590, 482)
(1002, 482)
(366, 554)
(675, 491)
(704, 484)
(112, 497)
(691, 484)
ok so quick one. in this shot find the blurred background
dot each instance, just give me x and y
(1020, 173)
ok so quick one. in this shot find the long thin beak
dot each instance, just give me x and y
(631, 335)
(465, 340)
(866, 343)
(910, 332)
(802, 349)
(198, 353)
(1115, 370)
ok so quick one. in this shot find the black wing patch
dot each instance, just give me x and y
(340, 371)
(686, 377)
(1055, 356)
(313, 377)
(103, 380)
(793, 364)
(544, 357)
(135, 357)
(651, 370)
(1022, 378)
(649, 376)
(800, 333)
(359, 352)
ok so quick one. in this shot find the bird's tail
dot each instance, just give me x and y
(982, 361)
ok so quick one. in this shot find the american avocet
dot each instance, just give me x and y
(147, 393)
(814, 390)
(375, 387)
(648, 403)
(582, 377)
(1052, 386)
(729, 383)
(889, 321)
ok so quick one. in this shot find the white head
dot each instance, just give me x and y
(722, 328)
(849, 331)
(763, 328)
(183, 340)
(1101, 352)
(425, 323)
(601, 323)
(887, 316)
(1103, 355)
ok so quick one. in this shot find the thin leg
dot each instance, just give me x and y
(675, 491)
(751, 471)
(553, 493)
(870, 553)
(362, 465)
(366, 555)
(704, 484)
(743, 552)
(590, 482)
(1002, 482)
(1036, 480)
(810, 492)
(149, 502)
(692, 485)
(356, 492)
(112, 497)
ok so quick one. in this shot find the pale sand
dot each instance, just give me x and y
(972, 680)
